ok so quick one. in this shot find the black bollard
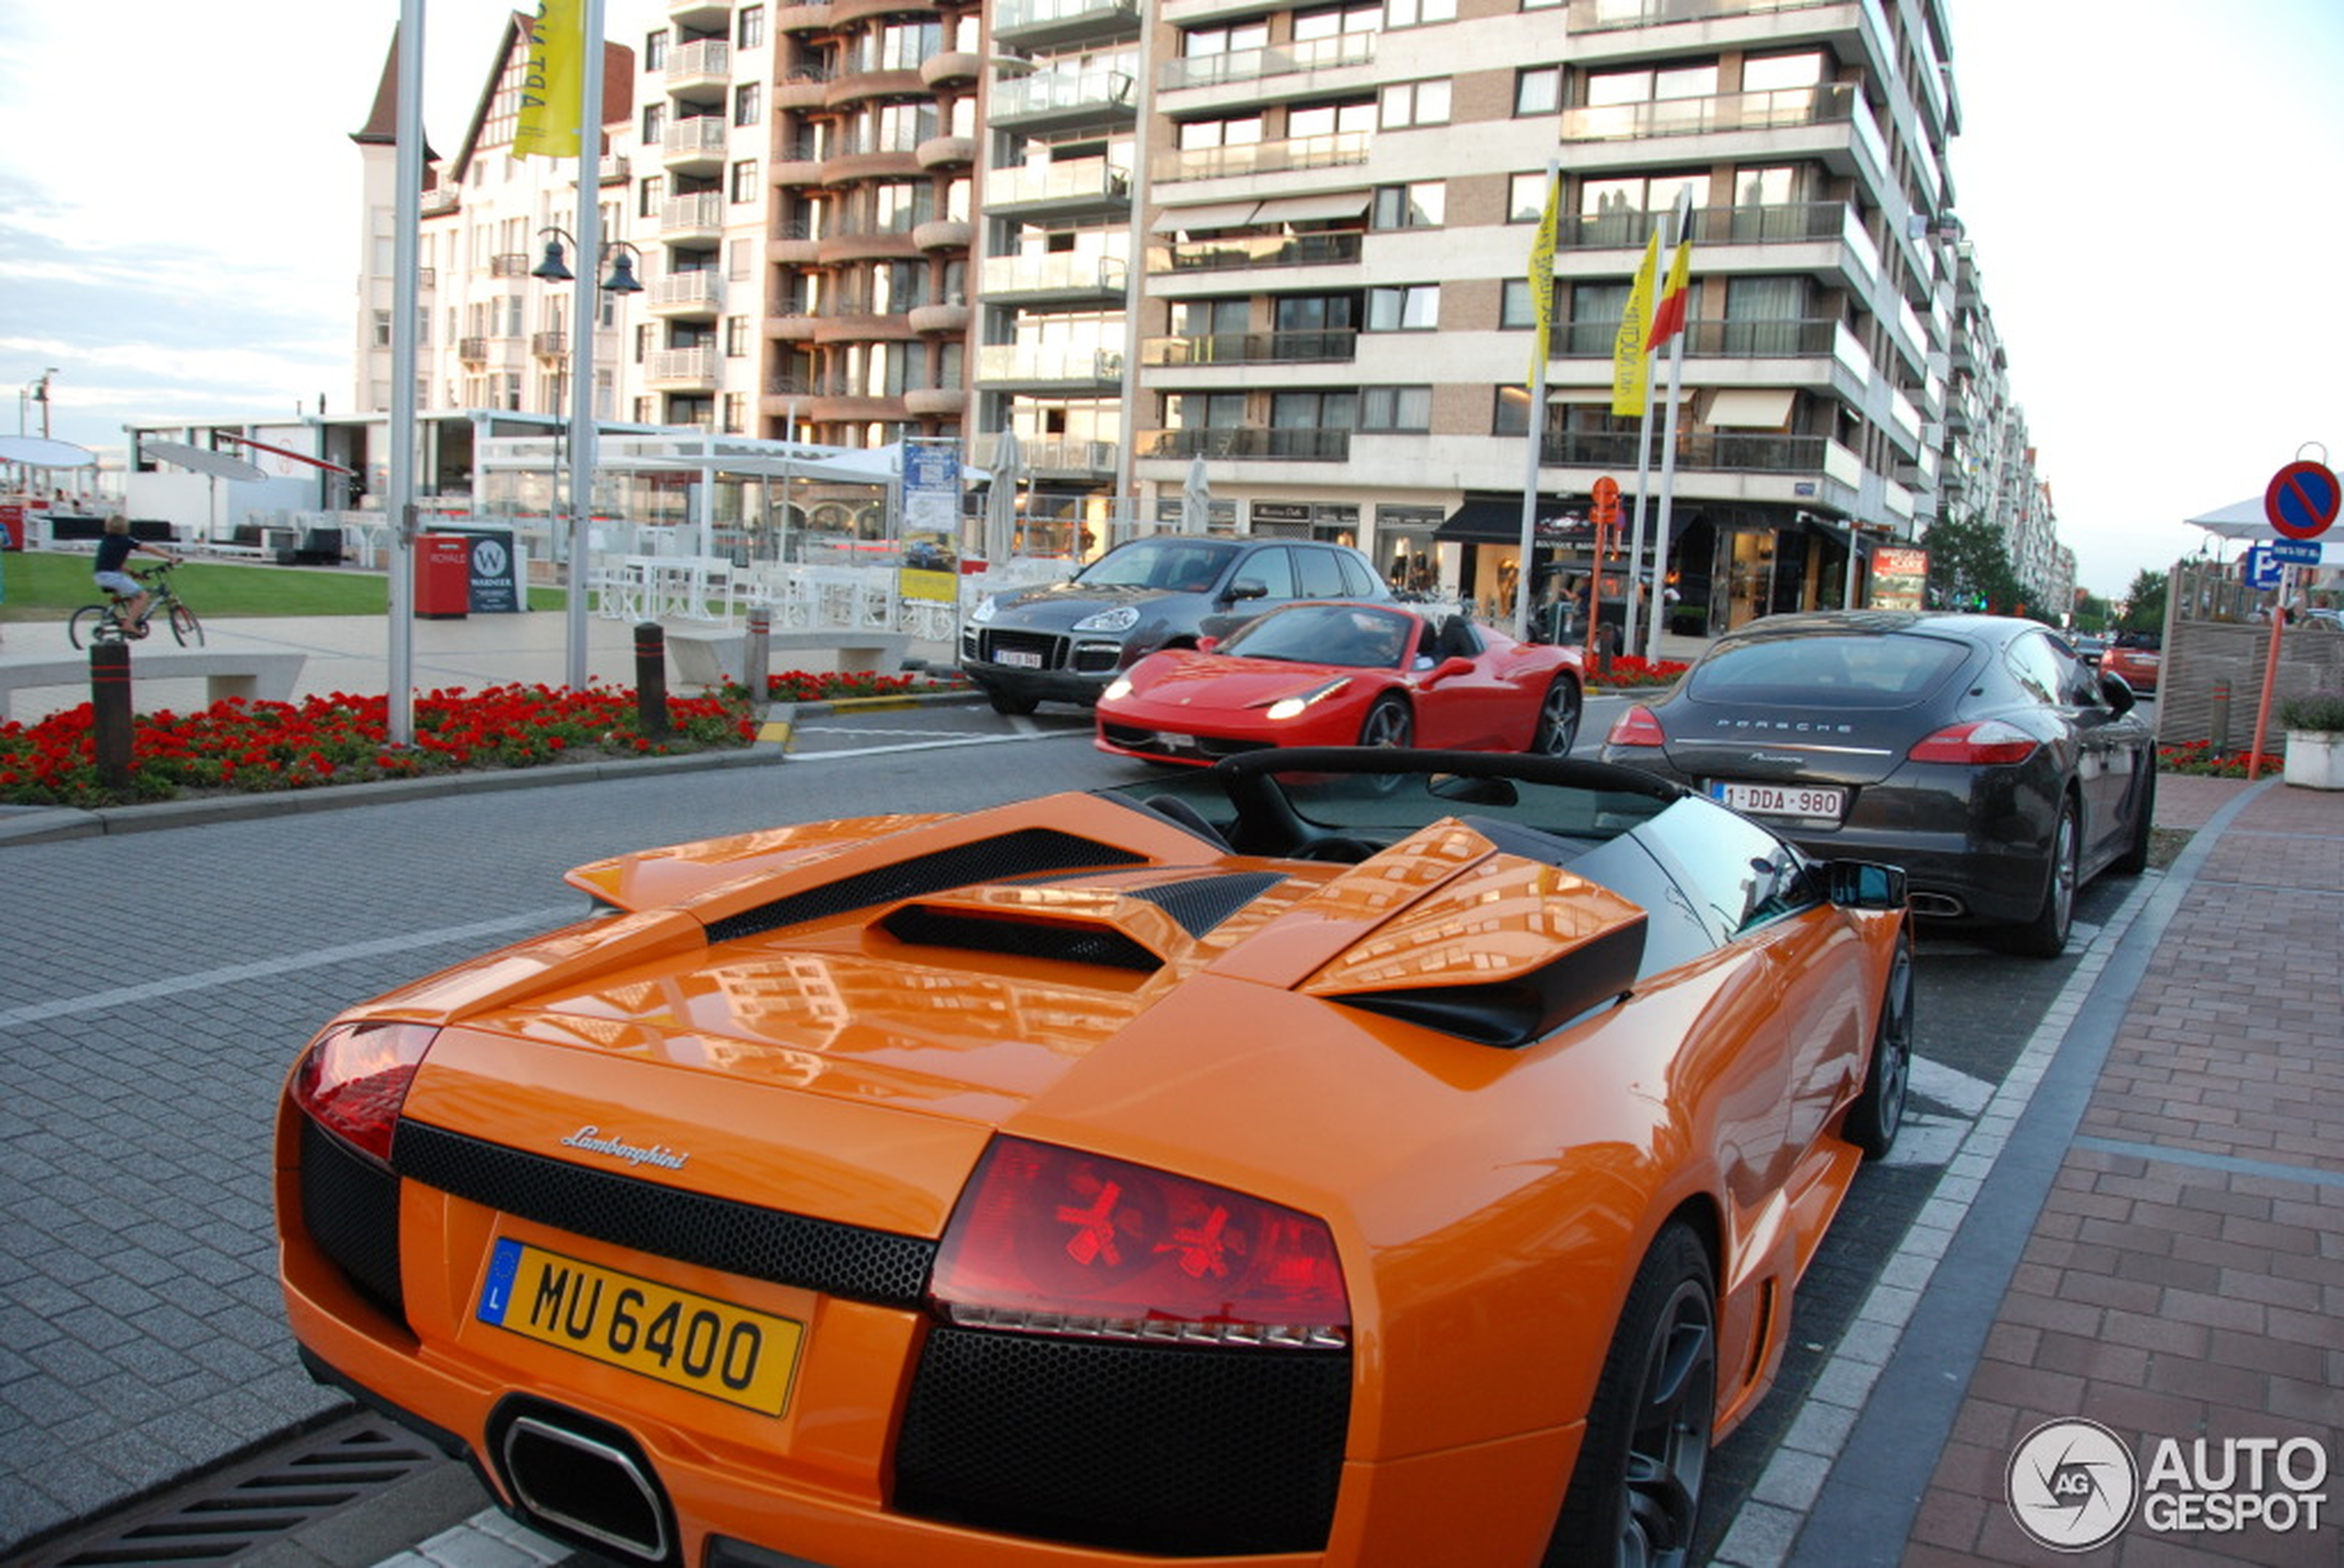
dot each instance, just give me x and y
(756, 659)
(650, 679)
(109, 703)
(2220, 720)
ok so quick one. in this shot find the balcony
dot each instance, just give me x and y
(1255, 250)
(1045, 24)
(859, 244)
(1038, 367)
(685, 295)
(1825, 107)
(695, 146)
(1252, 348)
(511, 264)
(933, 320)
(803, 87)
(935, 401)
(1615, 16)
(1062, 99)
(790, 242)
(1062, 279)
(426, 278)
(473, 351)
(705, 15)
(1254, 64)
(549, 345)
(797, 162)
(1264, 157)
(790, 323)
(696, 218)
(614, 170)
(439, 203)
(1078, 188)
(682, 369)
(806, 16)
(942, 233)
(951, 67)
(1709, 337)
(852, 86)
(1787, 222)
(1065, 458)
(942, 153)
(873, 155)
(1256, 441)
(699, 68)
(1720, 450)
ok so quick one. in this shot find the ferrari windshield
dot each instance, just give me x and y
(1352, 636)
(1176, 566)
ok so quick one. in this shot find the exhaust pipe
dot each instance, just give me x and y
(588, 1488)
(1937, 905)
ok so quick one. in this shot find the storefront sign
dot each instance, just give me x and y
(1899, 578)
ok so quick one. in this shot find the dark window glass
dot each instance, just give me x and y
(1827, 672)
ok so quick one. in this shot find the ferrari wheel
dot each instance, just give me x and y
(1011, 707)
(2135, 860)
(1558, 728)
(1387, 724)
(2046, 935)
(1872, 1121)
(1635, 1495)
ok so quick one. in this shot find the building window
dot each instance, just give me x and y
(1198, 43)
(1410, 13)
(748, 103)
(1538, 90)
(647, 204)
(1419, 206)
(1511, 415)
(655, 49)
(1329, 21)
(1411, 307)
(1513, 304)
(736, 337)
(745, 180)
(1395, 408)
(736, 258)
(735, 412)
(1595, 313)
(642, 343)
(655, 124)
(1416, 103)
(752, 32)
(382, 329)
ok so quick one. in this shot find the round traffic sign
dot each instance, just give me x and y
(2301, 500)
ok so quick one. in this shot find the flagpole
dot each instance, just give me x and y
(588, 308)
(1542, 288)
(1635, 551)
(1676, 388)
(398, 720)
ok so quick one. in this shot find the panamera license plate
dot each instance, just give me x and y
(1018, 659)
(1808, 801)
(696, 1341)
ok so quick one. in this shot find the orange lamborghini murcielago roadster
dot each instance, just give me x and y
(1349, 1156)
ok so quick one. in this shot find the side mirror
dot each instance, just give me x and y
(1248, 588)
(1206, 644)
(2117, 692)
(1450, 668)
(1864, 884)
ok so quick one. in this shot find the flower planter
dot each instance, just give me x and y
(2315, 759)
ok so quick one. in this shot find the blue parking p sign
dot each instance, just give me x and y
(2263, 569)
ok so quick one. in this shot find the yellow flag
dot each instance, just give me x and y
(553, 83)
(1631, 367)
(1542, 280)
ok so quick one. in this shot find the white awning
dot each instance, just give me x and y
(1749, 408)
(1313, 209)
(1223, 215)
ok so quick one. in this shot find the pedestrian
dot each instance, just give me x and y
(115, 547)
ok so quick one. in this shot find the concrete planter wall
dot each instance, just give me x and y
(2315, 759)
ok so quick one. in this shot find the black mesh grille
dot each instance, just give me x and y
(1202, 903)
(1022, 938)
(993, 644)
(1024, 853)
(349, 1206)
(1133, 1448)
(813, 1255)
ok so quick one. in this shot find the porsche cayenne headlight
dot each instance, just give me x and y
(1123, 617)
(1295, 707)
(984, 609)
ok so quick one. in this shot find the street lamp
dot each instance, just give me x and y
(37, 392)
(620, 254)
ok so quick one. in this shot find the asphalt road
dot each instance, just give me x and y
(158, 985)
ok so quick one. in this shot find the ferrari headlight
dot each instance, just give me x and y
(1116, 690)
(1295, 707)
(1123, 617)
(984, 611)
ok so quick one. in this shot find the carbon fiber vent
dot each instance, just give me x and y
(1132, 1448)
(1019, 939)
(349, 1206)
(813, 1255)
(1202, 903)
(1025, 853)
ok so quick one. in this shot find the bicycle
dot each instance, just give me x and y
(93, 624)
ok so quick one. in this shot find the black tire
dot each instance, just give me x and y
(2045, 936)
(91, 626)
(2135, 860)
(1558, 727)
(185, 628)
(1388, 723)
(1635, 1494)
(1879, 1110)
(1008, 706)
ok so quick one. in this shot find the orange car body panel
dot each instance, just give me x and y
(1490, 1206)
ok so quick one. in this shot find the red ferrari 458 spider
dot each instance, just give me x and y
(1343, 674)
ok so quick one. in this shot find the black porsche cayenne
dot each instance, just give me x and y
(1977, 751)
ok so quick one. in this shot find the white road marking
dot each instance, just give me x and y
(1949, 1087)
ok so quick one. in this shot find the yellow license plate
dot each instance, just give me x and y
(736, 1354)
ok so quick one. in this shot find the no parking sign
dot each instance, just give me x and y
(2301, 500)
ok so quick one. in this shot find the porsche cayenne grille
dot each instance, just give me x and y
(1023, 853)
(991, 645)
(1130, 1448)
(813, 1255)
(349, 1206)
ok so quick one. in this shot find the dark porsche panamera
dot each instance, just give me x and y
(1977, 751)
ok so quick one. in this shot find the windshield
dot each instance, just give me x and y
(1177, 565)
(1863, 670)
(1351, 636)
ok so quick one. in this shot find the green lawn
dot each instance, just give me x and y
(49, 585)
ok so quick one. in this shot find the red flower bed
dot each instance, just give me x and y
(2199, 757)
(1628, 670)
(797, 686)
(239, 746)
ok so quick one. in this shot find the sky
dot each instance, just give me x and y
(2154, 191)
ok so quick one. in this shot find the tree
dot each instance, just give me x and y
(2145, 603)
(1970, 567)
(2092, 612)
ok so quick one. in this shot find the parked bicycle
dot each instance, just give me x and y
(94, 624)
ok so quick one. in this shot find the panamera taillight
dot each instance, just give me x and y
(1978, 743)
(1052, 1240)
(354, 1078)
(1637, 726)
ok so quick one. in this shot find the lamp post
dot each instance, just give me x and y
(621, 280)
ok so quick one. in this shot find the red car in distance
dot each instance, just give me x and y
(1346, 674)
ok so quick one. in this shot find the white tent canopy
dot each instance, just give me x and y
(2240, 520)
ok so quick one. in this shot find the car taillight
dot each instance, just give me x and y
(1979, 742)
(1052, 1240)
(354, 1078)
(1637, 726)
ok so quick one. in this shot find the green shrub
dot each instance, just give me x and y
(2321, 710)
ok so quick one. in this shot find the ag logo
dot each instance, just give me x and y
(2072, 1485)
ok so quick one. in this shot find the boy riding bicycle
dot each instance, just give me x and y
(113, 549)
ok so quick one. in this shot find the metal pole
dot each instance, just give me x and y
(1540, 306)
(588, 235)
(406, 243)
